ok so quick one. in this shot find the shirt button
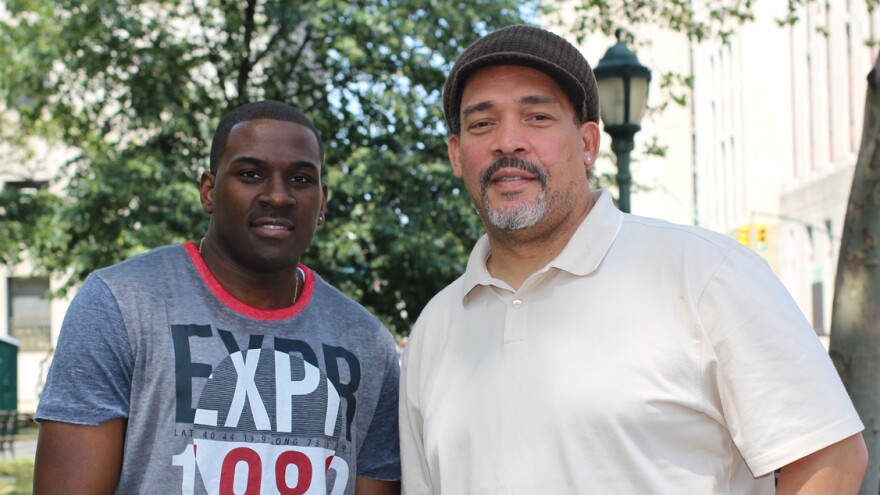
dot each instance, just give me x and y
(516, 303)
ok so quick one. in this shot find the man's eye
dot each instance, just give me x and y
(302, 179)
(480, 124)
(250, 174)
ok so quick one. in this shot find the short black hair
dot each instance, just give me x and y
(266, 109)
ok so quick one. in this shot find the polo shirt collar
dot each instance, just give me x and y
(581, 256)
(591, 241)
(476, 272)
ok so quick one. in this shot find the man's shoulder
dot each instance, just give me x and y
(451, 293)
(671, 234)
(687, 248)
(330, 294)
(147, 258)
(444, 303)
(333, 300)
(145, 267)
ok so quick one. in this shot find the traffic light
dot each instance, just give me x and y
(761, 236)
(744, 236)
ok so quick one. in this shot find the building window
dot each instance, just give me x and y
(27, 186)
(29, 320)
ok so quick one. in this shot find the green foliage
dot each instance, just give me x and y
(17, 476)
(25, 221)
(135, 88)
(402, 229)
(700, 20)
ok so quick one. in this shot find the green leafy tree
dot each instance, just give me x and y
(135, 88)
(24, 213)
(701, 20)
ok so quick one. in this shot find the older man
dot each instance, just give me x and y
(589, 351)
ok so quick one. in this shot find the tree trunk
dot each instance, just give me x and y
(855, 320)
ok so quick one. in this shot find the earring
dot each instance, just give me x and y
(588, 157)
(320, 219)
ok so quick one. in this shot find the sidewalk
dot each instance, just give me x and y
(17, 473)
(26, 447)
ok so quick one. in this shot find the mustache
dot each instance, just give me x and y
(512, 162)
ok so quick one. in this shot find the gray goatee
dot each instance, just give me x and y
(516, 217)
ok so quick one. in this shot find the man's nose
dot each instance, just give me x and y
(510, 138)
(277, 192)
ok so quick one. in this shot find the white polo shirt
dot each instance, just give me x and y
(647, 357)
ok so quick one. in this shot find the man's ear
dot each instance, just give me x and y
(324, 195)
(206, 192)
(453, 148)
(590, 135)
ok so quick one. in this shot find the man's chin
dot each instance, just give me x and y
(514, 219)
(275, 261)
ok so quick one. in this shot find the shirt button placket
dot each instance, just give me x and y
(516, 321)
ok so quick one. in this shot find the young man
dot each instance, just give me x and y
(589, 351)
(225, 365)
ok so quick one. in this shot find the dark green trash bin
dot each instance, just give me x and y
(8, 391)
(8, 374)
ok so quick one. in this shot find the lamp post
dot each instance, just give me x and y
(623, 92)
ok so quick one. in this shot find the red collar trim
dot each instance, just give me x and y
(245, 309)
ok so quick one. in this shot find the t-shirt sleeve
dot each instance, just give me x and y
(781, 396)
(379, 456)
(89, 381)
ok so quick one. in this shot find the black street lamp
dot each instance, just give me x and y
(623, 93)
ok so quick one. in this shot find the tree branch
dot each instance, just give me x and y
(295, 59)
(245, 65)
(213, 53)
(283, 30)
(874, 75)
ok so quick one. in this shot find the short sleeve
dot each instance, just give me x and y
(379, 456)
(89, 381)
(781, 396)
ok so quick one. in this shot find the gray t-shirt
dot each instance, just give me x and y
(222, 397)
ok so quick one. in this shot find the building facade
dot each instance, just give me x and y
(765, 147)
